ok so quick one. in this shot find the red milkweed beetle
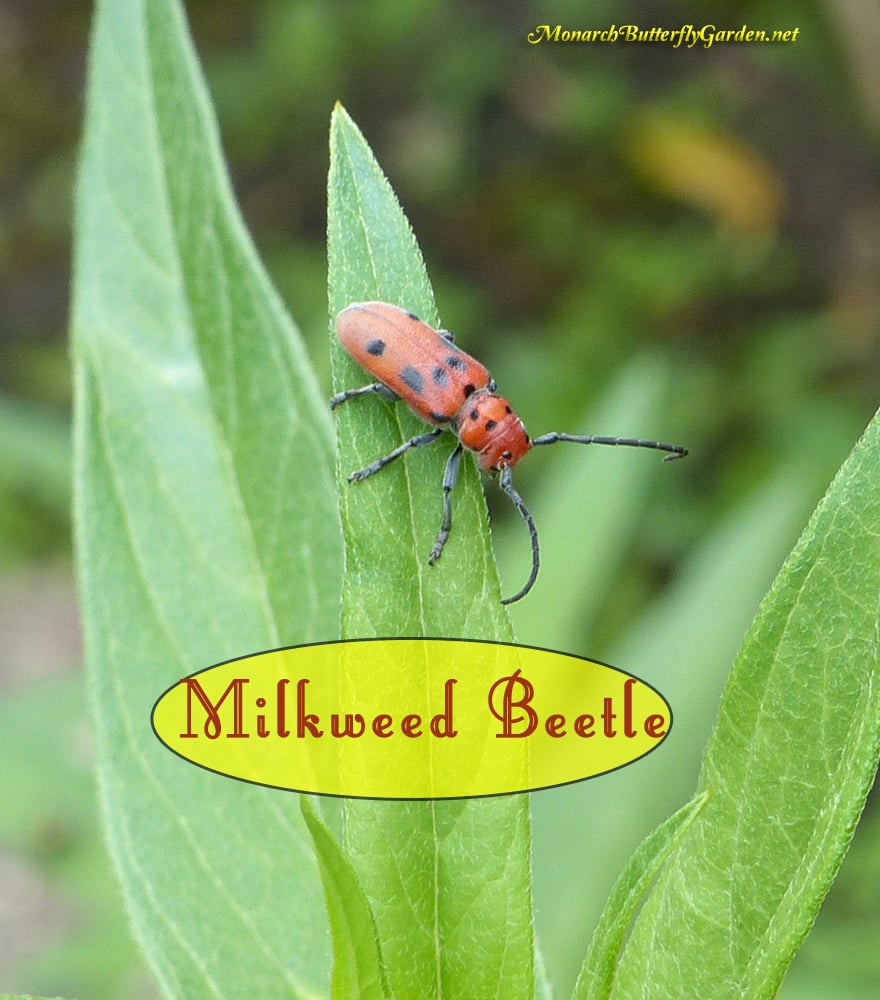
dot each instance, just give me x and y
(448, 388)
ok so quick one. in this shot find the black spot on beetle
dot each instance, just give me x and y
(439, 376)
(474, 414)
(376, 348)
(440, 418)
(456, 363)
(412, 378)
(491, 425)
(507, 409)
(469, 390)
(413, 316)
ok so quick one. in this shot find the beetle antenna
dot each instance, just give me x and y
(506, 484)
(675, 450)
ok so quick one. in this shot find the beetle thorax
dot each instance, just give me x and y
(488, 425)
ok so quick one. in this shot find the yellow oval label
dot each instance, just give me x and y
(411, 718)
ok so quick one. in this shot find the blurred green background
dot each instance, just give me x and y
(688, 240)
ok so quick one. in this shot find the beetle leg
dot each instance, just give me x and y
(415, 442)
(506, 483)
(364, 390)
(450, 475)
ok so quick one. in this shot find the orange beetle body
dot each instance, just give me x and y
(439, 382)
(487, 425)
(415, 361)
(448, 389)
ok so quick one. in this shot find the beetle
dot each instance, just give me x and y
(447, 388)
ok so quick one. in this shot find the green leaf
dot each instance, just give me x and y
(357, 962)
(206, 520)
(448, 882)
(391, 519)
(789, 765)
(597, 973)
(683, 644)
